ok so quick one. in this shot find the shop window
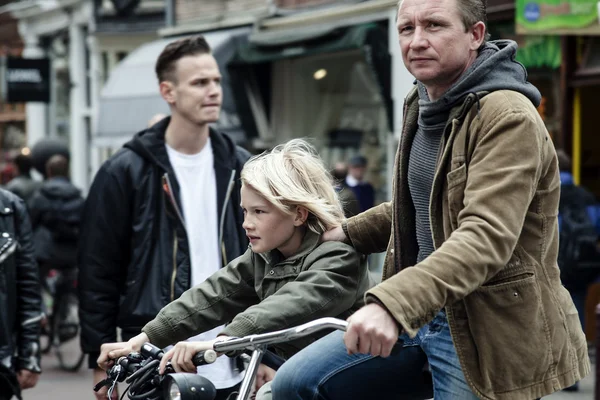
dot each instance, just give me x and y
(590, 63)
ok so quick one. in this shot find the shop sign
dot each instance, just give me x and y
(27, 80)
(560, 17)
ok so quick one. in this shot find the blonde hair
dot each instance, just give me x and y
(292, 174)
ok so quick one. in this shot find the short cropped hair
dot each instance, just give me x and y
(174, 51)
(471, 12)
(292, 174)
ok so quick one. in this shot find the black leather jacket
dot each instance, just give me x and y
(20, 296)
(133, 253)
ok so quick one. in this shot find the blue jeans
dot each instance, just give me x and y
(325, 371)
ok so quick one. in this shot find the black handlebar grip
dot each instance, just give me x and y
(204, 357)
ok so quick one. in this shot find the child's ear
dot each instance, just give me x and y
(301, 216)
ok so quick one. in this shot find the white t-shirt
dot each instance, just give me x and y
(198, 187)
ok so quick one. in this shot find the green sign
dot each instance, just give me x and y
(572, 17)
(539, 51)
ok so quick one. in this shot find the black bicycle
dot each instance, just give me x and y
(61, 329)
(141, 370)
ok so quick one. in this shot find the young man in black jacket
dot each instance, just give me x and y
(20, 300)
(164, 212)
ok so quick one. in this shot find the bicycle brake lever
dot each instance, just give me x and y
(104, 382)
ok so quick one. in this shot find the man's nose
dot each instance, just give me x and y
(419, 39)
(215, 89)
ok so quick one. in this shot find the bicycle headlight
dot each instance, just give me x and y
(184, 386)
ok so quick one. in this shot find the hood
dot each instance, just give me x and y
(494, 69)
(59, 187)
(150, 144)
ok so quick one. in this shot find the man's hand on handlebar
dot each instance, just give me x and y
(182, 353)
(112, 351)
(371, 330)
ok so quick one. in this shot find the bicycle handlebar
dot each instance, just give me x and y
(284, 335)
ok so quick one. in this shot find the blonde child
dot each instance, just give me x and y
(286, 277)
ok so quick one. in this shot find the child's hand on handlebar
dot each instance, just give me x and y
(112, 351)
(182, 353)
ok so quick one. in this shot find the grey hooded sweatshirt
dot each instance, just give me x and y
(494, 68)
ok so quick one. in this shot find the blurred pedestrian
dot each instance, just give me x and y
(345, 194)
(56, 209)
(363, 190)
(20, 300)
(163, 213)
(23, 185)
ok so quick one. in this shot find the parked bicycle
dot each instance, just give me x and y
(60, 330)
(141, 370)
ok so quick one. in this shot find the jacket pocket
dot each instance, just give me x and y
(510, 332)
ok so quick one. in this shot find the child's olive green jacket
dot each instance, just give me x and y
(493, 212)
(260, 293)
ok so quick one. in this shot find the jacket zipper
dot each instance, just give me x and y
(167, 182)
(222, 219)
(174, 273)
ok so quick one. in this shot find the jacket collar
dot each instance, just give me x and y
(310, 241)
(150, 144)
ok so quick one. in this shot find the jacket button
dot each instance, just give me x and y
(271, 272)
(391, 251)
(5, 234)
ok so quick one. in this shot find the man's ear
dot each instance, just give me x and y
(477, 35)
(167, 91)
(301, 216)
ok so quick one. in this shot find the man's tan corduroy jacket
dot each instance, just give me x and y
(493, 213)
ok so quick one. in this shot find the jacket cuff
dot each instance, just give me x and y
(345, 229)
(240, 326)
(381, 297)
(371, 299)
(29, 363)
(92, 359)
(29, 357)
(159, 331)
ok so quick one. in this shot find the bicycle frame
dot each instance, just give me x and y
(258, 344)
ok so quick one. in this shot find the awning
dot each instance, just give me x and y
(131, 97)
(252, 60)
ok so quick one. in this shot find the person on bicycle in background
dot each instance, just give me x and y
(470, 281)
(20, 300)
(163, 213)
(286, 277)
